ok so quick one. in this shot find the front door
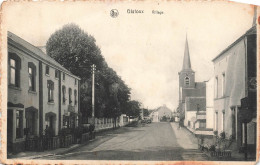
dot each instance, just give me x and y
(9, 130)
(52, 123)
(30, 123)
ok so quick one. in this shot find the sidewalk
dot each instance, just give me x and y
(184, 137)
(187, 140)
(60, 151)
(37, 155)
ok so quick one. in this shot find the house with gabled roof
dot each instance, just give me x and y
(42, 95)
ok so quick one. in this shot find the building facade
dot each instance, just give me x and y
(195, 111)
(155, 116)
(210, 104)
(235, 90)
(41, 94)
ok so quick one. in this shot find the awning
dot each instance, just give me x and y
(18, 105)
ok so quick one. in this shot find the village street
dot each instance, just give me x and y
(156, 141)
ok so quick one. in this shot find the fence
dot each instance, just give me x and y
(50, 143)
(104, 123)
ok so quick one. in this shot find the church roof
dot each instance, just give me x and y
(186, 59)
(196, 103)
(199, 85)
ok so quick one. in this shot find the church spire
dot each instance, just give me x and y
(186, 60)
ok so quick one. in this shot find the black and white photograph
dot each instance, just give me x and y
(93, 82)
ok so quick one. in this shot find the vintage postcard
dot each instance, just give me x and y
(129, 82)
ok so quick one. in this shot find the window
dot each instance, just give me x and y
(30, 117)
(69, 121)
(202, 124)
(19, 124)
(216, 121)
(32, 75)
(187, 81)
(64, 94)
(223, 120)
(223, 84)
(56, 74)
(47, 70)
(70, 92)
(75, 95)
(216, 87)
(65, 121)
(14, 70)
(64, 76)
(50, 85)
(234, 122)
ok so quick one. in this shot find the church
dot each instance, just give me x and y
(192, 96)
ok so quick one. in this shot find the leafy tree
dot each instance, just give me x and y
(146, 112)
(133, 109)
(76, 50)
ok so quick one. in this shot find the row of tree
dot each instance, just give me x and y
(76, 50)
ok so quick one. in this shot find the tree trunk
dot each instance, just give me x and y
(114, 122)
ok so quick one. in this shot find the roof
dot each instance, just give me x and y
(199, 85)
(36, 52)
(252, 30)
(163, 108)
(198, 91)
(195, 103)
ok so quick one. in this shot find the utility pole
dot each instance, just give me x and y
(93, 68)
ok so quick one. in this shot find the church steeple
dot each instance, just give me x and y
(186, 59)
(186, 75)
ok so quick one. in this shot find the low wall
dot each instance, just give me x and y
(107, 123)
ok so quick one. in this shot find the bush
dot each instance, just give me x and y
(78, 131)
(222, 135)
(65, 131)
(49, 132)
(215, 133)
(212, 148)
(85, 130)
(91, 127)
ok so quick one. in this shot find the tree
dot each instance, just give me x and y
(133, 109)
(146, 112)
(76, 50)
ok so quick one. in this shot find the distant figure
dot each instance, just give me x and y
(179, 125)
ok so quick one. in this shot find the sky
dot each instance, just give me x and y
(146, 50)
